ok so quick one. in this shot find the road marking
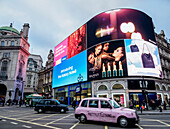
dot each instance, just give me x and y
(28, 122)
(3, 120)
(139, 126)
(155, 125)
(163, 123)
(43, 117)
(74, 125)
(106, 127)
(58, 119)
(27, 126)
(14, 123)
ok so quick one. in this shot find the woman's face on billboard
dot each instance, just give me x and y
(98, 49)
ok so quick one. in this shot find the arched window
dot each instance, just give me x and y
(169, 88)
(117, 86)
(102, 87)
(163, 88)
(157, 87)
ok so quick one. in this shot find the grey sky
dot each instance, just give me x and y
(51, 21)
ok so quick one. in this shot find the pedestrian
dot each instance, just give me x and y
(164, 104)
(131, 104)
(3, 101)
(74, 104)
(159, 104)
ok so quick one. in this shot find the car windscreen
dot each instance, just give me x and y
(114, 104)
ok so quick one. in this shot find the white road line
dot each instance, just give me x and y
(28, 122)
(3, 120)
(26, 126)
(43, 117)
(74, 125)
(139, 126)
(155, 125)
(58, 119)
(163, 123)
(14, 123)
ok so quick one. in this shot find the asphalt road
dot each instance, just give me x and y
(27, 118)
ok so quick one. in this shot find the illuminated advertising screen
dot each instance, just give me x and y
(142, 58)
(107, 60)
(119, 24)
(76, 42)
(68, 71)
(60, 53)
(114, 44)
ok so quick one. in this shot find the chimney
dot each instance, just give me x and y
(25, 30)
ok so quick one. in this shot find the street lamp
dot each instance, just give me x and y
(79, 79)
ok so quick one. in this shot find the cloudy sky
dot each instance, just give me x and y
(51, 21)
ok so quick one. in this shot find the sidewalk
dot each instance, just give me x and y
(154, 112)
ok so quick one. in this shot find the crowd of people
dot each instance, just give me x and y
(145, 105)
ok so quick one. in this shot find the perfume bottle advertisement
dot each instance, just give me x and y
(107, 60)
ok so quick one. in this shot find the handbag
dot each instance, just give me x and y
(134, 48)
(147, 59)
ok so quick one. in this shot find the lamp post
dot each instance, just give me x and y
(80, 79)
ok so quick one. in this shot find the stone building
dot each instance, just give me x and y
(34, 65)
(45, 77)
(14, 52)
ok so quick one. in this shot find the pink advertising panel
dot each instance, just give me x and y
(60, 51)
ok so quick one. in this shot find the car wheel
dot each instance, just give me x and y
(40, 110)
(83, 118)
(62, 110)
(123, 122)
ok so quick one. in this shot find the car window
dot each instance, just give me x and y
(105, 104)
(84, 103)
(41, 102)
(53, 102)
(47, 102)
(93, 103)
(114, 104)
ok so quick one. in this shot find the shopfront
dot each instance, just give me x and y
(69, 93)
(139, 97)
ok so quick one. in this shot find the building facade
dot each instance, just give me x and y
(45, 77)
(34, 65)
(14, 52)
(113, 56)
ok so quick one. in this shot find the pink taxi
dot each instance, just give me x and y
(105, 110)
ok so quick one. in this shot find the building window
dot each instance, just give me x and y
(2, 43)
(102, 87)
(23, 45)
(4, 68)
(6, 55)
(12, 43)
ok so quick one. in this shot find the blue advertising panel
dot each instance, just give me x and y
(68, 71)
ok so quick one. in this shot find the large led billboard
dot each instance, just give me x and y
(117, 43)
(142, 58)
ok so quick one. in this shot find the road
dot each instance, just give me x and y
(27, 118)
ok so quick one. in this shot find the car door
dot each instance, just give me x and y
(106, 112)
(92, 111)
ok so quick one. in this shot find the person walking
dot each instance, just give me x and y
(74, 104)
(131, 104)
(159, 104)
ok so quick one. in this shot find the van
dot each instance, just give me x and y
(105, 110)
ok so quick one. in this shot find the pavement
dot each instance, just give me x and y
(144, 112)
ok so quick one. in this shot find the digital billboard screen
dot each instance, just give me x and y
(107, 60)
(119, 24)
(68, 71)
(142, 58)
(114, 44)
